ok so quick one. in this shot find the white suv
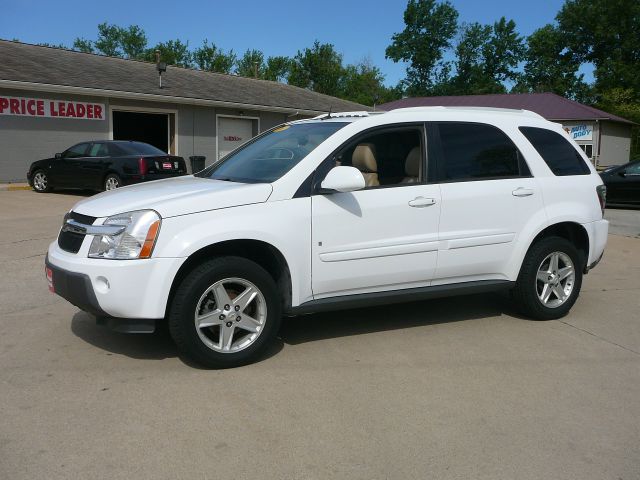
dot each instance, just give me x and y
(342, 210)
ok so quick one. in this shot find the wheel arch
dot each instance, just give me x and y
(571, 231)
(264, 254)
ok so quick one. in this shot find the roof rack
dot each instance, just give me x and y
(362, 113)
(508, 111)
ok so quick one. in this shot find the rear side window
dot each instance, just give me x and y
(557, 152)
(475, 151)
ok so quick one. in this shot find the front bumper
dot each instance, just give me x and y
(131, 289)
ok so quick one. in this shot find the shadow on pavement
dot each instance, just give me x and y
(307, 328)
(321, 326)
(154, 346)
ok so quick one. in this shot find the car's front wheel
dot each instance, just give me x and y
(225, 312)
(41, 181)
(112, 181)
(550, 279)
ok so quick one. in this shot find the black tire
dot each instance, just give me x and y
(181, 316)
(110, 180)
(37, 184)
(525, 293)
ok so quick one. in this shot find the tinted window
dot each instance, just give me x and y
(139, 148)
(272, 154)
(76, 151)
(633, 169)
(557, 152)
(474, 151)
(98, 150)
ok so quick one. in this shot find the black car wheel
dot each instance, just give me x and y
(112, 181)
(225, 313)
(41, 181)
(550, 279)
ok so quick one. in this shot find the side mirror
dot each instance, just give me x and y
(343, 179)
(622, 173)
(58, 156)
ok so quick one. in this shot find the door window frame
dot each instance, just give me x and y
(319, 174)
(439, 156)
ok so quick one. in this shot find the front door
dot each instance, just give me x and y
(64, 171)
(384, 237)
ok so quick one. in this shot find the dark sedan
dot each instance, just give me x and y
(623, 184)
(104, 165)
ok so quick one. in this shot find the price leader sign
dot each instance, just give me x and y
(47, 108)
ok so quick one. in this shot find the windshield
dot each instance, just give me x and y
(270, 156)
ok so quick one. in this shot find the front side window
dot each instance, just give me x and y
(632, 169)
(474, 151)
(271, 155)
(76, 151)
(386, 157)
(557, 152)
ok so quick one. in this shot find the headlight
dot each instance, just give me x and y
(136, 241)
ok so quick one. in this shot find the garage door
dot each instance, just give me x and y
(151, 128)
(233, 132)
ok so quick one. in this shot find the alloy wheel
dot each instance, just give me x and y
(230, 315)
(40, 181)
(555, 279)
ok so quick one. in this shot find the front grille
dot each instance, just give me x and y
(71, 241)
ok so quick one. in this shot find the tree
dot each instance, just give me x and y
(318, 68)
(108, 42)
(213, 59)
(277, 68)
(503, 52)
(550, 67)
(607, 34)
(132, 41)
(251, 64)
(172, 52)
(429, 29)
(83, 45)
(486, 58)
(364, 83)
(115, 41)
(470, 74)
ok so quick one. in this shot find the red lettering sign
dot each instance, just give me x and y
(37, 107)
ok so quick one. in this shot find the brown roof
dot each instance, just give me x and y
(549, 105)
(22, 62)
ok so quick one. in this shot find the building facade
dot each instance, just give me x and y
(605, 138)
(51, 99)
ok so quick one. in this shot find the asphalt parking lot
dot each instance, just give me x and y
(452, 388)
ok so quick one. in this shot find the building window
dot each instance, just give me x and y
(587, 148)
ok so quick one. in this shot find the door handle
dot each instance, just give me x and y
(420, 202)
(522, 192)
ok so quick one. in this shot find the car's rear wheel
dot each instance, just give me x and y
(41, 182)
(112, 181)
(225, 312)
(550, 279)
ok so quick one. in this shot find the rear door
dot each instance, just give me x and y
(93, 166)
(488, 195)
(383, 237)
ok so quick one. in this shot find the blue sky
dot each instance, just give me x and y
(357, 28)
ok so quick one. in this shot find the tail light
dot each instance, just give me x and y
(142, 166)
(601, 190)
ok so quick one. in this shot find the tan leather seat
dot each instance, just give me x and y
(364, 159)
(412, 166)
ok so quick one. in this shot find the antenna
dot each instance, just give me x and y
(328, 114)
(161, 67)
